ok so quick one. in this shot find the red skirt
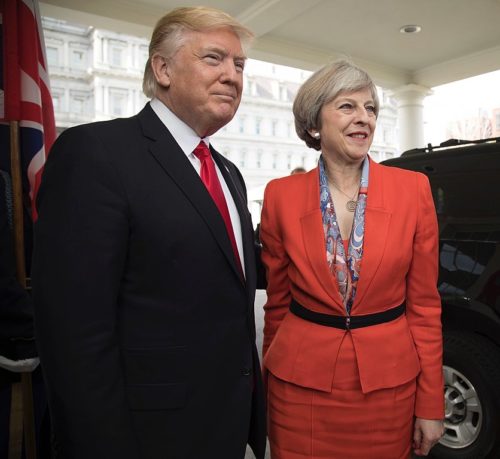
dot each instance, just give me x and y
(344, 424)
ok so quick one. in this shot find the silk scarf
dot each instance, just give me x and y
(345, 267)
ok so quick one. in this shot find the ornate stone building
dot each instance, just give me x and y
(97, 75)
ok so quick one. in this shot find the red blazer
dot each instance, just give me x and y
(399, 264)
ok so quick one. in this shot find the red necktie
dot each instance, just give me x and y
(211, 181)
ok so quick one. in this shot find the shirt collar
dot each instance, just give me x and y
(186, 137)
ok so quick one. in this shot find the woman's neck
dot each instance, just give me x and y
(344, 175)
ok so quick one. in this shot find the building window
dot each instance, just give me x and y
(77, 104)
(117, 102)
(117, 51)
(78, 101)
(56, 102)
(78, 58)
(258, 123)
(274, 128)
(116, 56)
(241, 124)
(497, 121)
(53, 56)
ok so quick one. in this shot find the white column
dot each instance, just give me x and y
(105, 106)
(105, 52)
(66, 56)
(410, 100)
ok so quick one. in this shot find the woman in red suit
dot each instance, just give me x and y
(352, 337)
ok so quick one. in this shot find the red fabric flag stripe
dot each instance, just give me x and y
(27, 89)
(12, 82)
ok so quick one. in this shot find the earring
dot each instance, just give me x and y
(316, 135)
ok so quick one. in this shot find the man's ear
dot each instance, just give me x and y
(160, 66)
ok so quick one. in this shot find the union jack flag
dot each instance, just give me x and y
(25, 90)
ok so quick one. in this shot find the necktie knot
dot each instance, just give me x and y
(201, 151)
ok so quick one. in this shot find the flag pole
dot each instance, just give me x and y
(23, 398)
(17, 203)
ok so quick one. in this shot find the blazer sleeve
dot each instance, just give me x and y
(79, 258)
(424, 306)
(276, 262)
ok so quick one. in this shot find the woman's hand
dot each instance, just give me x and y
(426, 434)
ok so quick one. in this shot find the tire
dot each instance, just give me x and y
(471, 367)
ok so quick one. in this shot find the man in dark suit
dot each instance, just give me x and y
(143, 290)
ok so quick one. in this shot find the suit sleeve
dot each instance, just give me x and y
(276, 261)
(424, 307)
(79, 258)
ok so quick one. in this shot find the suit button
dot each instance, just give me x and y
(246, 372)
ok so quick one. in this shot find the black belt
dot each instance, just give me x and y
(346, 322)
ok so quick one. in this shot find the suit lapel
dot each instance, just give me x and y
(314, 240)
(377, 220)
(230, 177)
(174, 162)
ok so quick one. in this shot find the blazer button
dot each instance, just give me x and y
(246, 372)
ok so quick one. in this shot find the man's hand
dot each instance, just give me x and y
(426, 434)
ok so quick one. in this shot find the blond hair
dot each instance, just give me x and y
(169, 35)
(322, 87)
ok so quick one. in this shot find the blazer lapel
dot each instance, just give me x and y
(377, 219)
(314, 240)
(174, 162)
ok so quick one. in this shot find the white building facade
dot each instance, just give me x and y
(97, 75)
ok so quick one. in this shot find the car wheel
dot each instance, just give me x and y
(471, 368)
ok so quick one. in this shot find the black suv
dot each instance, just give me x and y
(465, 181)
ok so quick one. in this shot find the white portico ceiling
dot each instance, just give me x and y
(459, 38)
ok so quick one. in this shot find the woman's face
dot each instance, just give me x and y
(347, 126)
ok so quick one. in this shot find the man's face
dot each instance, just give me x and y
(202, 82)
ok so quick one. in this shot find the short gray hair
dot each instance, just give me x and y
(170, 32)
(322, 87)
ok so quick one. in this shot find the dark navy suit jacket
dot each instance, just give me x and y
(145, 329)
